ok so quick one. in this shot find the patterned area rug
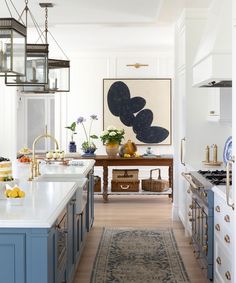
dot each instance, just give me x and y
(138, 256)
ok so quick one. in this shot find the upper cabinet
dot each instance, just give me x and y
(213, 61)
(220, 105)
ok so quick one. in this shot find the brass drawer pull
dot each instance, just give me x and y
(218, 260)
(228, 275)
(217, 227)
(227, 218)
(227, 239)
(217, 209)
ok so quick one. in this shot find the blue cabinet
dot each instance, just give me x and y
(12, 257)
(44, 255)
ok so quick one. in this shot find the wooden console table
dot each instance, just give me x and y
(105, 162)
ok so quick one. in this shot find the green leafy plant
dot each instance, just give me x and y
(72, 127)
(112, 135)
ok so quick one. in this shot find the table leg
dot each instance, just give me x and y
(171, 181)
(105, 183)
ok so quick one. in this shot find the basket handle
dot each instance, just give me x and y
(159, 173)
(124, 187)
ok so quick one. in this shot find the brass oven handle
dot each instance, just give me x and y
(217, 227)
(217, 209)
(229, 162)
(188, 178)
(228, 275)
(218, 260)
(181, 151)
(227, 218)
(227, 239)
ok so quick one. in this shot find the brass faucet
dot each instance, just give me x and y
(34, 166)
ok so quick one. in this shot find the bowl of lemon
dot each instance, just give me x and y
(15, 196)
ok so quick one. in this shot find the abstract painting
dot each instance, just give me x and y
(142, 107)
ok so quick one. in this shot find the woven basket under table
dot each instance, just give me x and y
(155, 185)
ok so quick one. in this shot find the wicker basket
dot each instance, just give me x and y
(155, 185)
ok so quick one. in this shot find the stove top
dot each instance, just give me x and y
(216, 177)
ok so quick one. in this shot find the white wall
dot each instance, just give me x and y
(86, 97)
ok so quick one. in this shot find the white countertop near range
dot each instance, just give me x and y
(42, 204)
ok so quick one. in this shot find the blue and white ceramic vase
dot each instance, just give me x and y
(72, 146)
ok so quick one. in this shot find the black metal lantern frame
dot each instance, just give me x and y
(36, 60)
(12, 47)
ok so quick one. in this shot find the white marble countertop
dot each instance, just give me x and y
(45, 200)
(42, 204)
(22, 171)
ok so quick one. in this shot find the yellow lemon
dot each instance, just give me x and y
(7, 192)
(21, 194)
(16, 189)
(13, 194)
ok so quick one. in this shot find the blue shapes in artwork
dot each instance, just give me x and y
(136, 104)
(118, 97)
(122, 105)
(142, 120)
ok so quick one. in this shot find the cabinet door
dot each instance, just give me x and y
(70, 240)
(12, 258)
(90, 201)
(77, 236)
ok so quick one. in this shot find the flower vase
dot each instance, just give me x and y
(72, 146)
(89, 151)
(112, 149)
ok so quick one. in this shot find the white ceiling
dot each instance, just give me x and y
(108, 11)
(133, 24)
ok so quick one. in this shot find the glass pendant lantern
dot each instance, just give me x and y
(36, 67)
(36, 59)
(12, 47)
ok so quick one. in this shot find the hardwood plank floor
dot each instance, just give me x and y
(135, 211)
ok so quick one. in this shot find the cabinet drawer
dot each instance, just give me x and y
(222, 263)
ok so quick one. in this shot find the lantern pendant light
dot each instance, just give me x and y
(12, 46)
(36, 61)
(58, 70)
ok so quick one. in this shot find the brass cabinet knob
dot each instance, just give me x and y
(217, 227)
(227, 218)
(218, 260)
(227, 239)
(217, 209)
(228, 275)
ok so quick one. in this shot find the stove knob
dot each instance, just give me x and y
(189, 213)
(191, 219)
(191, 206)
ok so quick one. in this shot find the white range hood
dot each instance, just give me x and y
(213, 62)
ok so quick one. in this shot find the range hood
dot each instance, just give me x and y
(213, 62)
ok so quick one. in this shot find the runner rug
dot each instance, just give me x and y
(138, 256)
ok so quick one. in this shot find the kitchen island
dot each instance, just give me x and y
(42, 239)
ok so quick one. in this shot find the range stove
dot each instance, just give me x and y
(216, 177)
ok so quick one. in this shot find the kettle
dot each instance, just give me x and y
(128, 148)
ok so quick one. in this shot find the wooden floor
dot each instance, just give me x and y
(135, 211)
